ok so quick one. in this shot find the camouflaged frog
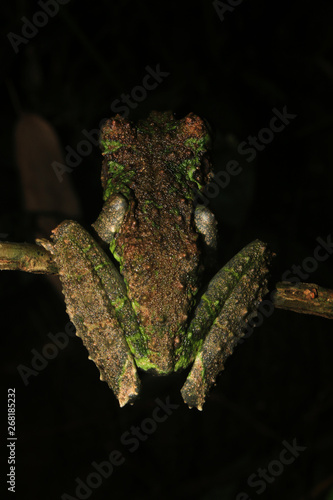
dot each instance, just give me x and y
(151, 314)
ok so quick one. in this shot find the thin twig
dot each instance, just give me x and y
(303, 298)
(26, 257)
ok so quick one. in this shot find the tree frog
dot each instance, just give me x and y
(146, 308)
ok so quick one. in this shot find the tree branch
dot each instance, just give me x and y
(303, 298)
(26, 257)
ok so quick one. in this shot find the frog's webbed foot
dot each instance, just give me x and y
(231, 299)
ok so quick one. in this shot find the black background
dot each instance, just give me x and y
(278, 384)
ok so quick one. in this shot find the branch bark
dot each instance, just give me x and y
(302, 298)
(26, 257)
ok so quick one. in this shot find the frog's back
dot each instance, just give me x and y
(157, 166)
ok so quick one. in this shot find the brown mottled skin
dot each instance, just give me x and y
(157, 242)
(139, 318)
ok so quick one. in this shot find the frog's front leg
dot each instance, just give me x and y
(98, 306)
(230, 300)
(111, 217)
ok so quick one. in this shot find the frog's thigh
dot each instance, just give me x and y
(87, 276)
(111, 217)
(231, 299)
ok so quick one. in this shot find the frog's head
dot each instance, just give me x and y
(180, 147)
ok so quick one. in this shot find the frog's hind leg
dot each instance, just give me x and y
(230, 300)
(98, 306)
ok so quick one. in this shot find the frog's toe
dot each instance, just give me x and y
(129, 385)
(194, 389)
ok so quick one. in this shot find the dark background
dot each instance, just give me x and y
(278, 384)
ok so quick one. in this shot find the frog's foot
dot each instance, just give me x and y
(231, 299)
